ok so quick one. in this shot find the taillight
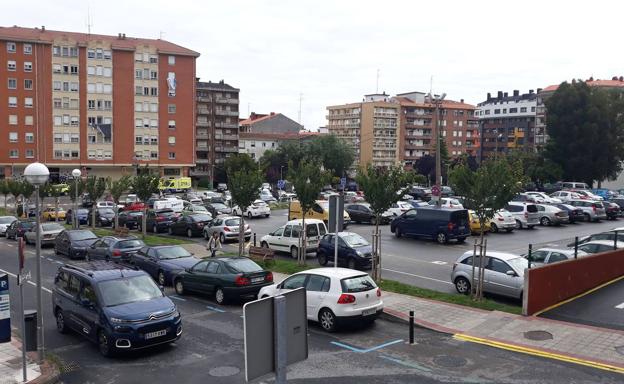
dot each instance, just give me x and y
(159, 218)
(450, 226)
(226, 229)
(269, 277)
(526, 215)
(345, 298)
(501, 219)
(242, 280)
(594, 207)
(378, 292)
(116, 252)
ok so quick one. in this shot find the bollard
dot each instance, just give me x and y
(254, 239)
(411, 327)
(576, 247)
(529, 256)
(615, 240)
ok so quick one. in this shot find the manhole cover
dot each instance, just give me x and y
(223, 371)
(68, 366)
(538, 335)
(620, 349)
(449, 361)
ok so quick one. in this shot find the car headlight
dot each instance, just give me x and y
(117, 320)
(359, 253)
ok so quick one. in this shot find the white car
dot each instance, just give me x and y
(333, 295)
(503, 220)
(287, 238)
(257, 209)
(565, 196)
(399, 208)
(106, 204)
(448, 202)
(541, 197)
(5, 221)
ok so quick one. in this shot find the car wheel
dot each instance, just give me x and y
(322, 259)
(161, 278)
(327, 319)
(351, 263)
(462, 285)
(264, 244)
(222, 238)
(249, 215)
(104, 344)
(518, 224)
(179, 287)
(294, 252)
(397, 232)
(587, 217)
(461, 239)
(545, 221)
(170, 231)
(494, 228)
(189, 233)
(60, 321)
(155, 228)
(530, 226)
(441, 238)
(220, 296)
(509, 230)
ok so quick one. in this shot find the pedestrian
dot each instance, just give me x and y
(214, 243)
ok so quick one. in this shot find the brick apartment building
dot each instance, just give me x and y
(105, 104)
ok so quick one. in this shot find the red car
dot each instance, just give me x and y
(135, 206)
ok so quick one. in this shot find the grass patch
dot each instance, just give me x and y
(279, 206)
(285, 266)
(4, 212)
(487, 304)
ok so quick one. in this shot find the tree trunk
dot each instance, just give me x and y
(93, 216)
(377, 253)
(241, 234)
(116, 216)
(302, 249)
(144, 221)
(5, 203)
(56, 206)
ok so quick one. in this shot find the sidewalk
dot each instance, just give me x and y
(11, 366)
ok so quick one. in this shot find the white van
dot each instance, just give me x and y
(176, 205)
(287, 237)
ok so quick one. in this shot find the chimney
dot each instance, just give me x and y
(516, 93)
(123, 35)
(500, 94)
(505, 94)
(272, 114)
(119, 36)
(621, 78)
(539, 90)
(43, 28)
(530, 91)
(614, 78)
(461, 101)
(489, 96)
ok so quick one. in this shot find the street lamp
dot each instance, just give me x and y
(76, 174)
(437, 101)
(37, 174)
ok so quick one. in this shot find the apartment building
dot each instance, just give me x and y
(255, 144)
(507, 122)
(459, 127)
(217, 126)
(269, 123)
(104, 104)
(370, 127)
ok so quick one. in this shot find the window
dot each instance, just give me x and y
(73, 69)
(153, 155)
(108, 55)
(12, 83)
(12, 101)
(317, 283)
(99, 87)
(99, 54)
(172, 124)
(75, 121)
(73, 52)
(13, 137)
(154, 140)
(146, 123)
(58, 138)
(28, 120)
(13, 119)
(65, 86)
(30, 153)
(108, 89)
(91, 104)
(27, 49)
(58, 154)
(172, 140)
(64, 51)
(108, 72)
(171, 108)
(66, 120)
(91, 139)
(108, 105)
(13, 153)
(90, 53)
(172, 156)
(57, 85)
(153, 107)
(138, 140)
(27, 66)
(138, 107)
(28, 102)
(154, 75)
(153, 123)
(11, 47)
(532, 109)
(523, 109)
(99, 70)
(499, 266)
(138, 90)
(294, 282)
(138, 56)
(153, 91)
(171, 60)
(11, 65)
(28, 84)
(73, 103)
(145, 91)
(29, 137)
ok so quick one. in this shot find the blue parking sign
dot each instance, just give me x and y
(343, 182)
(5, 309)
(280, 184)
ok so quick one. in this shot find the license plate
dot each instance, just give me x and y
(368, 312)
(152, 335)
(257, 279)
(462, 228)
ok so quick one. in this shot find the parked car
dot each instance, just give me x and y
(49, 231)
(74, 243)
(525, 214)
(599, 246)
(5, 222)
(418, 203)
(524, 198)
(354, 251)
(217, 209)
(608, 235)
(87, 201)
(439, 224)
(587, 195)
(334, 296)
(190, 225)
(192, 209)
(545, 256)
(227, 227)
(574, 214)
(446, 191)
(114, 248)
(612, 210)
(361, 213)
(503, 220)
(117, 307)
(159, 220)
(104, 217)
(222, 187)
(541, 197)
(399, 208)
(592, 210)
(320, 211)
(130, 219)
(475, 224)
(81, 213)
(106, 204)
(572, 185)
(51, 213)
(267, 196)
(420, 193)
(135, 206)
(565, 196)
(257, 209)
(163, 262)
(619, 200)
(503, 273)
(286, 237)
(352, 197)
(17, 228)
(551, 215)
(447, 202)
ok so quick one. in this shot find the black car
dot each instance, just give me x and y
(619, 201)
(159, 220)
(18, 228)
(87, 202)
(115, 306)
(226, 277)
(130, 219)
(190, 225)
(439, 224)
(574, 214)
(217, 209)
(353, 250)
(361, 213)
(114, 248)
(163, 262)
(420, 193)
(104, 217)
(612, 209)
(74, 243)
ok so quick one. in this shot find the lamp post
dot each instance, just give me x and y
(37, 174)
(76, 174)
(437, 101)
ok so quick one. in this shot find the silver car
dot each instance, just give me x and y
(227, 227)
(593, 210)
(49, 231)
(551, 215)
(504, 273)
(5, 221)
(525, 214)
(545, 256)
(598, 246)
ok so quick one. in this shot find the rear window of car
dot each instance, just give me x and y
(312, 230)
(232, 222)
(598, 205)
(357, 284)
(51, 227)
(243, 265)
(531, 208)
(124, 244)
(200, 218)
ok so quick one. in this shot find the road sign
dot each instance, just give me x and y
(343, 182)
(280, 184)
(5, 309)
(435, 190)
(336, 213)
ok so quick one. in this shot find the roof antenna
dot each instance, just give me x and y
(377, 82)
(89, 20)
(162, 33)
(299, 115)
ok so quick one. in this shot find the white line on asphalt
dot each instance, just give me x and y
(177, 298)
(422, 277)
(621, 306)
(30, 282)
(10, 245)
(439, 262)
(8, 273)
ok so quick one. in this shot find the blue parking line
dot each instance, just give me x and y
(177, 298)
(215, 309)
(406, 363)
(359, 350)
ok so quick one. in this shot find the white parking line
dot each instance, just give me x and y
(621, 306)
(422, 277)
(10, 245)
(439, 262)
(29, 282)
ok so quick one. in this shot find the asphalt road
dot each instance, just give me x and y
(211, 350)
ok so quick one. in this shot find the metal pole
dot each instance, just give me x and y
(38, 280)
(438, 164)
(575, 247)
(411, 327)
(615, 239)
(529, 256)
(76, 222)
(281, 343)
(337, 229)
(254, 239)
(20, 284)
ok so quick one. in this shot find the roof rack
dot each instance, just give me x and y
(97, 265)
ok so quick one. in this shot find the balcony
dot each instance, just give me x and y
(202, 161)
(227, 101)
(199, 172)
(226, 137)
(386, 115)
(202, 123)
(203, 99)
(226, 149)
(222, 112)
(415, 115)
(202, 135)
(221, 124)
(203, 111)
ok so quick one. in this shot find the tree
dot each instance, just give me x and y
(144, 185)
(15, 189)
(382, 188)
(271, 164)
(308, 180)
(26, 190)
(116, 189)
(4, 189)
(536, 167)
(333, 153)
(244, 182)
(586, 132)
(486, 190)
(74, 187)
(95, 187)
(426, 166)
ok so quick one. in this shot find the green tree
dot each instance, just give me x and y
(74, 187)
(536, 167)
(244, 181)
(26, 190)
(95, 187)
(116, 189)
(308, 180)
(15, 189)
(485, 191)
(4, 189)
(586, 132)
(382, 188)
(144, 185)
(333, 153)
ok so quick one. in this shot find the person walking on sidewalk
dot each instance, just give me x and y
(214, 243)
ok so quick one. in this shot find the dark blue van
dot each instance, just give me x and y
(118, 307)
(439, 224)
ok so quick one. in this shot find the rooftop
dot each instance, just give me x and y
(447, 104)
(277, 136)
(220, 86)
(615, 82)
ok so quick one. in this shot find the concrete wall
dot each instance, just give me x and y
(554, 283)
(277, 124)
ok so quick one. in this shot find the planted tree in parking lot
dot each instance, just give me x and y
(75, 189)
(485, 191)
(15, 189)
(144, 185)
(244, 181)
(380, 186)
(95, 187)
(4, 189)
(308, 180)
(116, 189)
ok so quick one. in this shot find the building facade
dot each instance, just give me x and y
(217, 126)
(255, 144)
(507, 122)
(269, 123)
(104, 104)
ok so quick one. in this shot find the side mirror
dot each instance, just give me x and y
(511, 273)
(86, 303)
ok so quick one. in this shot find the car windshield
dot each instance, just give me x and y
(82, 212)
(232, 222)
(354, 240)
(175, 252)
(519, 264)
(199, 208)
(51, 227)
(106, 211)
(357, 284)
(128, 290)
(324, 204)
(135, 214)
(134, 243)
(243, 265)
(218, 206)
(201, 217)
(7, 219)
(165, 213)
(81, 235)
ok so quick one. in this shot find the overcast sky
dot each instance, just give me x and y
(330, 50)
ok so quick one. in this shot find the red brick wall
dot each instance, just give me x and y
(123, 107)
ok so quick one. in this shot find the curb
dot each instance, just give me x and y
(49, 374)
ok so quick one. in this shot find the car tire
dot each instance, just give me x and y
(441, 238)
(351, 264)
(322, 258)
(104, 344)
(267, 215)
(461, 239)
(493, 228)
(518, 224)
(294, 252)
(397, 232)
(220, 296)
(249, 215)
(264, 244)
(545, 221)
(61, 326)
(222, 238)
(155, 228)
(327, 320)
(161, 278)
(509, 230)
(530, 226)
(170, 231)
(178, 285)
(462, 285)
(189, 233)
